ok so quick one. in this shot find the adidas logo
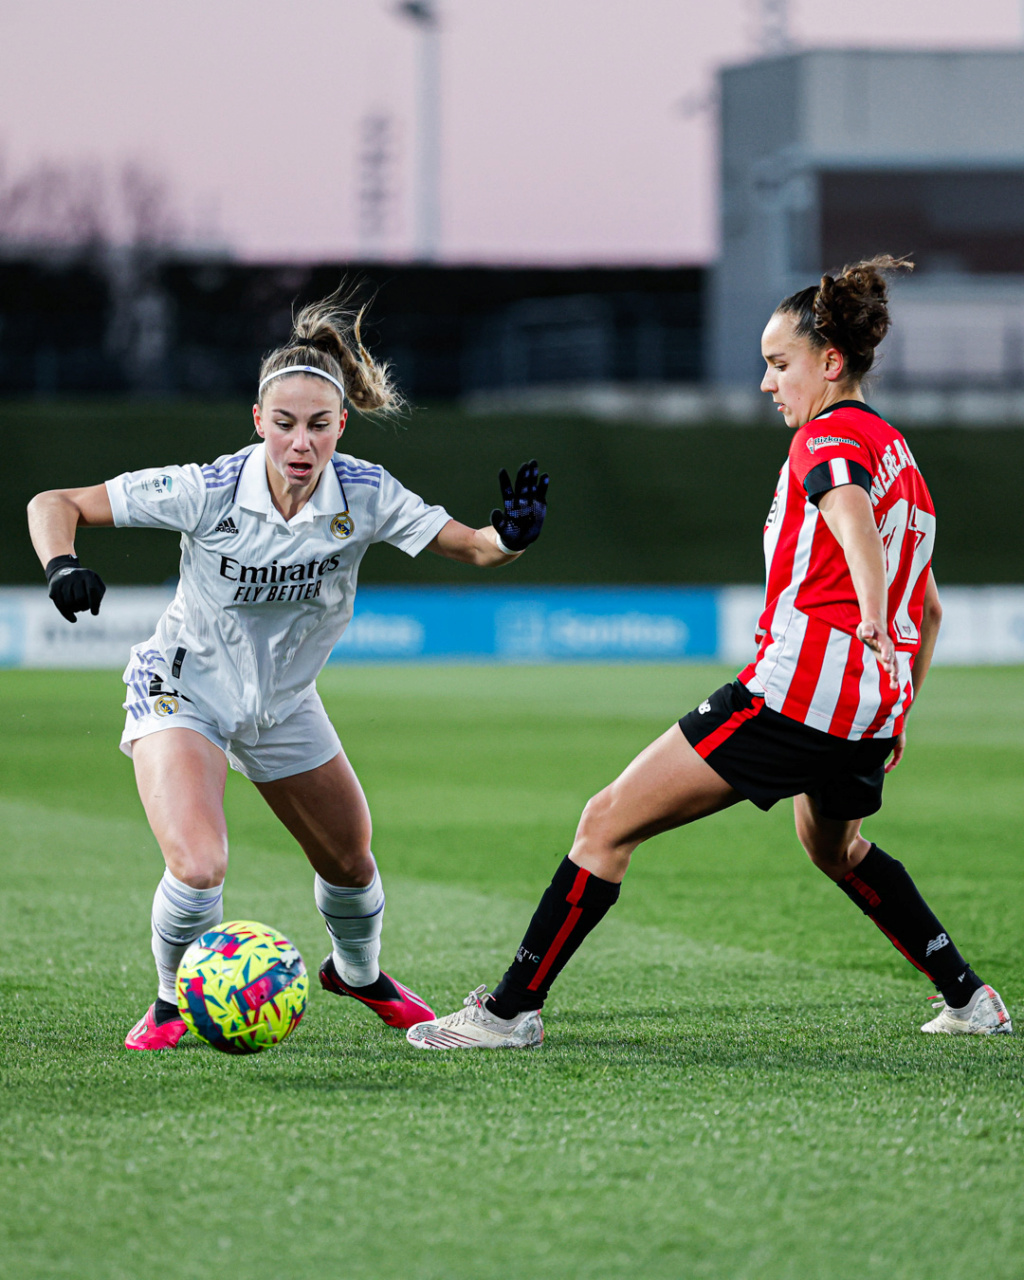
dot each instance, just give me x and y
(936, 944)
(226, 526)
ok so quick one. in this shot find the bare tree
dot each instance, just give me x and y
(123, 223)
(85, 206)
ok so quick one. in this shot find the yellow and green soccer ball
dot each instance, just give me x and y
(242, 987)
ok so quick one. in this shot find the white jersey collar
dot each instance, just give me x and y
(253, 491)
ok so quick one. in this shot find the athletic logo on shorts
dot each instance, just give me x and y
(166, 705)
(704, 708)
(342, 525)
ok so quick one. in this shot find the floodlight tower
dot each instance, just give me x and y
(376, 181)
(424, 14)
(775, 37)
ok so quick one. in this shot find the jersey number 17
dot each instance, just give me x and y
(901, 519)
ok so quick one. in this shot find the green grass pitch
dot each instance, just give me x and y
(733, 1083)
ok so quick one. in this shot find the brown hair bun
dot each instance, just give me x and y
(849, 311)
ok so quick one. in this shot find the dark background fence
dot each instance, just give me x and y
(129, 322)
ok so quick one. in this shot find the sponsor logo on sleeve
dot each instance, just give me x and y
(157, 486)
(825, 442)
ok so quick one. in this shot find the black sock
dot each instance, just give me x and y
(883, 890)
(164, 1011)
(573, 903)
(381, 988)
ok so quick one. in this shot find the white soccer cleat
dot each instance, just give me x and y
(475, 1027)
(984, 1015)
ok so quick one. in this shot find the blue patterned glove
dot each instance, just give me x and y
(525, 507)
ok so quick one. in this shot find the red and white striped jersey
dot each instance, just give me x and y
(810, 665)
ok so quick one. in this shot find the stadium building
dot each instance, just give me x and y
(830, 156)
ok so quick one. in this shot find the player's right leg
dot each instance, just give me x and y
(180, 776)
(666, 786)
(883, 889)
(325, 809)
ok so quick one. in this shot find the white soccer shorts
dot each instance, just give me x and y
(304, 741)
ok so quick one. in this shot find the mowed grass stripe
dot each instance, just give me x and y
(667, 1116)
(733, 1084)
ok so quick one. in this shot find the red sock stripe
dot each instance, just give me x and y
(573, 897)
(903, 951)
(724, 731)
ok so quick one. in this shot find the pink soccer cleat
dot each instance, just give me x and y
(147, 1034)
(390, 1001)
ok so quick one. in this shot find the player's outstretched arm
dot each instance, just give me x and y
(53, 520)
(513, 526)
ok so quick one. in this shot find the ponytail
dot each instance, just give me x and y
(326, 335)
(849, 311)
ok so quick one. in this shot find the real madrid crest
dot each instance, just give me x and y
(166, 705)
(342, 525)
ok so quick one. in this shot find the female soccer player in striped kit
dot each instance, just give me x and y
(272, 538)
(845, 640)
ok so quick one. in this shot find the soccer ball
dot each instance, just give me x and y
(242, 987)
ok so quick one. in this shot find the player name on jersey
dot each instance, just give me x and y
(896, 457)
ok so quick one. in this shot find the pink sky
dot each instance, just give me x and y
(563, 139)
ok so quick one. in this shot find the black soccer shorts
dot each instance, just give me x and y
(766, 756)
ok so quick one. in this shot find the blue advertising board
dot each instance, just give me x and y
(504, 624)
(531, 624)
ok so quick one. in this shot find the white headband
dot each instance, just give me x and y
(301, 368)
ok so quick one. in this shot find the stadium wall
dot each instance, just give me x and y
(982, 625)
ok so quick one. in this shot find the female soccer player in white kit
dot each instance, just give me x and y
(271, 538)
(844, 643)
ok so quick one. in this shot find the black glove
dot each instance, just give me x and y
(72, 588)
(525, 507)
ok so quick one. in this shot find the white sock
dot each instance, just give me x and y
(180, 915)
(353, 918)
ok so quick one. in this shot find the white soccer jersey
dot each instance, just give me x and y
(261, 601)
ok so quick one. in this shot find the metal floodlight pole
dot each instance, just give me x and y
(428, 126)
(775, 38)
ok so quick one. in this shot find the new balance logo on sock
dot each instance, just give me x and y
(226, 526)
(936, 944)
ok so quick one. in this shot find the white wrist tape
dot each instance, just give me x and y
(501, 546)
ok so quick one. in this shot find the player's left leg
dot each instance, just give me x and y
(881, 887)
(666, 786)
(326, 811)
